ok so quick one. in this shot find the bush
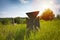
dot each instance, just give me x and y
(23, 20)
(48, 15)
(5, 21)
(58, 16)
(17, 20)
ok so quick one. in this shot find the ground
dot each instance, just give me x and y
(49, 30)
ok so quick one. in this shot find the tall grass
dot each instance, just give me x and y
(12, 32)
(49, 30)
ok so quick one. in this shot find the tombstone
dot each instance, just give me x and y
(32, 21)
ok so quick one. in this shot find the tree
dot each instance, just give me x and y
(58, 16)
(17, 20)
(5, 21)
(47, 15)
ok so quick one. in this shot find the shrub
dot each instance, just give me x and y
(17, 20)
(23, 20)
(5, 21)
(58, 16)
(48, 15)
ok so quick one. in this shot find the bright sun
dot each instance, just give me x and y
(45, 6)
(41, 6)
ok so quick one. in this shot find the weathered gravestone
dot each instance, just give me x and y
(33, 20)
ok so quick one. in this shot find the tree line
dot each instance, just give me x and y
(46, 15)
(17, 20)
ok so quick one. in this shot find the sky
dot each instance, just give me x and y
(19, 8)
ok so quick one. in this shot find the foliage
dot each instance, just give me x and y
(17, 20)
(58, 16)
(5, 21)
(23, 20)
(47, 15)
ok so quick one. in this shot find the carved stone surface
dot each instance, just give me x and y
(32, 21)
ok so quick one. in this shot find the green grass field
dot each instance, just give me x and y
(49, 30)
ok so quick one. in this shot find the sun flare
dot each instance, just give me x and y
(43, 6)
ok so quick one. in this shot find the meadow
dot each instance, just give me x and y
(49, 30)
